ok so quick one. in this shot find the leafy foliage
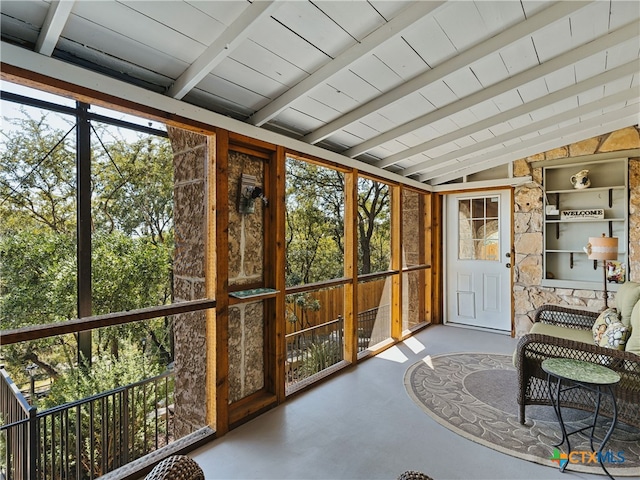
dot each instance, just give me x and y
(132, 242)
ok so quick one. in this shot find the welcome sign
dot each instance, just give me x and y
(582, 214)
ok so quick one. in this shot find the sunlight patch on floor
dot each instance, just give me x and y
(415, 345)
(428, 361)
(394, 354)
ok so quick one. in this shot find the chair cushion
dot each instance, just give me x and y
(633, 343)
(615, 336)
(606, 318)
(626, 298)
(585, 336)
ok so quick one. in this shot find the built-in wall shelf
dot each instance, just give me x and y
(587, 220)
(252, 294)
(566, 265)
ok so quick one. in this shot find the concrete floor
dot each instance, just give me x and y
(361, 424)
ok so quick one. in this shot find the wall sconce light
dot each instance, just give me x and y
(249, 192)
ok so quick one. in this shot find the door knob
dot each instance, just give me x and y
(508, 265)
(508, 254)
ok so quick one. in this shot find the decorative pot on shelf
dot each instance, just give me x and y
(580, 180)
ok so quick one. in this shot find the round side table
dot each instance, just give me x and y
(590, 376)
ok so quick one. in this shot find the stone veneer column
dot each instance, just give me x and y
(189, 196)
(528, 237)
(246, 245)
(410, 256)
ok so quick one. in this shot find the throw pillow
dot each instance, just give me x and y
(606, 318)
(615, 336)
(633, 343)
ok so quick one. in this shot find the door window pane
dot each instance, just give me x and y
(478, 232)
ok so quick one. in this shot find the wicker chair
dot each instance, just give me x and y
(176, 467)
(413, 475)
(533, 348)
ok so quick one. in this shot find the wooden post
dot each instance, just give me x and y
(218, 339)
(426, 306)
(396, 261)
(277, 223)
(351, 267)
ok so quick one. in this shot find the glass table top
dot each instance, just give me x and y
(580, 371)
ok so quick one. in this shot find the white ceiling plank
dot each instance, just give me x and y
(91, 39)
(233, 36)
(182, 17)
(54, 23)
(464, 118)
(565, 136)
(315, 108)
(348, 83)
(311, 24)
(590, 66)
(489, 70)
(401, 58)
(462, 24)
(555, 12)
(369, 43)
(497, 15)
(333, 97)
(532, 90)
(224, 12)
(118, 20)
(568, 92)
(284, 43)
(410, 106)
(389, 8)
(553, 40)
(260, 59)
(507, 100)
(590, 22)
(511, 135)
(622, 53)
(430, 42)
(358, 19)
(240, 74)
(519, 56)
(522, 121)
(622, 12)
(462, 82)
(485, 109)
(509, 84)
(438, 93)
(232, 91)
(561, 78)
(376, 72)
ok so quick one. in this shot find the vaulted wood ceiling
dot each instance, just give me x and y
(431, 90)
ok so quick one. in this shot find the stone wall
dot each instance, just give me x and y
(189, 196)
(246, 252)
(410, 256)
(528, 228)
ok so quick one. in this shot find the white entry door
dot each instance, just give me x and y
(478, 253)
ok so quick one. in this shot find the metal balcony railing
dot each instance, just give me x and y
(316, 348)
(86, 438)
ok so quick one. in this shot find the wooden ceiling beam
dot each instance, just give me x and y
(385, 32)
(221, 48)
(591, 127)
(561, 61)
(57, 16)
(522, 29)
(542, 102)
(453, 159)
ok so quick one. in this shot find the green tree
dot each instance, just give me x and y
(132, 186)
